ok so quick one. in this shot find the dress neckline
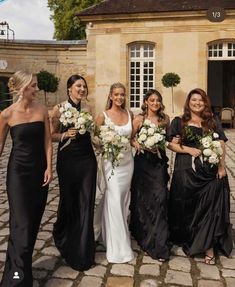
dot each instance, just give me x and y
(26, 123)
(76, 106)
(114, 123)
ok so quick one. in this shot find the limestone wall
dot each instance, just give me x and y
(61, 59)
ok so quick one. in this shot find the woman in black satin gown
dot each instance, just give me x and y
(76, 167)
(148, 206)
(199, 194)
(28, 175)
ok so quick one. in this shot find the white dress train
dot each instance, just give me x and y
(115, 232)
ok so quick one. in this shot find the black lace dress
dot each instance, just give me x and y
(148, 222)
(73, 231)
(199, 202)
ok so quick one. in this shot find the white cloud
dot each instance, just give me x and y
(30, 19)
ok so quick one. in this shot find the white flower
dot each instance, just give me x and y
(68, 114)
(82, 131)
(61, 109)
(143, 131)
(213, 159)
(151, 131)
(215, 136)
(216, 144)
(67, 106)
(147, 122)
(149, 142)
(207, 152)
(81, 120)
(142, 137)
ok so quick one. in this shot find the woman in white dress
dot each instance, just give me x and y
(115, 231)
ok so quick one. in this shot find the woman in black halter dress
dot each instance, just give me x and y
(76, 167)
(28, 175)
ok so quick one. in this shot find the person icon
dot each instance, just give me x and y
(16, 275)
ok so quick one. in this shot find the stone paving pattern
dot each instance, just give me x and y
(49, 269)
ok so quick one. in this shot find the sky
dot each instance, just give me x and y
(30, 19)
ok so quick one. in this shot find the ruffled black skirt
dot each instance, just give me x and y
(199, 208)
(148, 224)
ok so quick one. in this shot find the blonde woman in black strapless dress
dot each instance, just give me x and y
(29, 172)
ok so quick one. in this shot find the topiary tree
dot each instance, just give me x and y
(171, 80)
(47, 82)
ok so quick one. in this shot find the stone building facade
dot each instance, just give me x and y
(136, 42)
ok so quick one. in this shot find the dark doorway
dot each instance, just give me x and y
(221, 83)
(5, 98)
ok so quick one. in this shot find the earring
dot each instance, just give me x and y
(146, 106)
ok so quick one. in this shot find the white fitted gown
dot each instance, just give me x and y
(115, 230)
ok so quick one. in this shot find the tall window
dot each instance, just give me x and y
(141, 71)
(218, 51)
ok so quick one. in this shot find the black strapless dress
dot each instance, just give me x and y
(27, 200)
(73, 231)
(148, 224)
(199, 202)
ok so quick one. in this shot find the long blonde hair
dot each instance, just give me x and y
(109, 101)
(18, 82)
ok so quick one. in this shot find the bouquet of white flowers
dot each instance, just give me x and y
(112, 144)
(81, 121)
(151, 136)
(209, 145)
(211, 148)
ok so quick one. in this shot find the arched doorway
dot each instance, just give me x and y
(221, 73)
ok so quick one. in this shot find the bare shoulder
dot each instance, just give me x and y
(139, 118)
(100, 119)
(131, 114)
(7, 113)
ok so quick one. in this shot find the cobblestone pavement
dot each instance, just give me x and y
(50, 271)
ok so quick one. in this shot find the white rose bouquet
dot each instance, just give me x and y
(211, 148)
(112, 144)
(151, 136)
(209, 144)
(81, 121)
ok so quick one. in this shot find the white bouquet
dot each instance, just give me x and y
(211, 148)
(112, 143)
(81, 121)
(152, 136)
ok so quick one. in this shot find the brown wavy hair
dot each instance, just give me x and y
(208, 122)
(160, 113)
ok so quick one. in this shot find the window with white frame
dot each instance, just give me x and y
(219, 51)
(141, 71)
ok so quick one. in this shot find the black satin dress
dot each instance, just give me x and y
(199, 202)
(73, 231)
(148, 224)
(27, 200)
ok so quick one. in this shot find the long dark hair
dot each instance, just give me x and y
(208, 122)
(160, 113)
(109, 101)
(72, 79)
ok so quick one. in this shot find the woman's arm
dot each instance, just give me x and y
(100, 120)
(136, 124)
(4, 128)
(221, 169)
(48, 150)
(184, 149)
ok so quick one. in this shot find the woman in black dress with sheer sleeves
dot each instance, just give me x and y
(76, 168)
(199, 194)
(29, 172)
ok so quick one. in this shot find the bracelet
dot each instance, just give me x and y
(62, 136)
